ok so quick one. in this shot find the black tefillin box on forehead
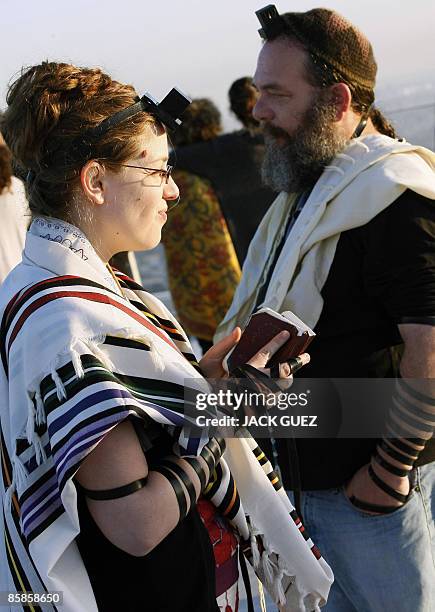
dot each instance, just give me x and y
(169, 112)
(272, 24)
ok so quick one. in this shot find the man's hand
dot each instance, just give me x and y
(364, 489)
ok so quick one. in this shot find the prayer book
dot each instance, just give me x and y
(262, 327)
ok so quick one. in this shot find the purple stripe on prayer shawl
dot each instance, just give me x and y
(32, 464)
(87, 402)
(28, 520)
(84, 434)
(39, 494)
(42, 514)
(192, 446)
(101, 396)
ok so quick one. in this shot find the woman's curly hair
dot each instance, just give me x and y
(49, 106)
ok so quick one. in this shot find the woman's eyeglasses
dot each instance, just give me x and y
(163, 173)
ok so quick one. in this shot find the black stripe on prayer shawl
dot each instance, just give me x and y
(46, 523)
(95, 372)
(50, 283)
(127, 281)
(225, 506)
(128, 343)
(165, 324)
(37, 484)
(6, 465)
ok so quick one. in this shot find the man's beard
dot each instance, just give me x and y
(294, 163)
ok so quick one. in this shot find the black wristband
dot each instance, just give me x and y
(390, 468)
(176, 485)
(195, 464)
(386, 488)
(117, 492)
(394, 454)
(175, 467)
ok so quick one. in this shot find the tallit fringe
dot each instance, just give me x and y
(60, 389)
(77, 362)
(31, 414)
(40, 412)
(94, 346)
(272, 572)
(19, 477)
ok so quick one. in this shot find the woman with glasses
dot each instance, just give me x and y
(100, 474)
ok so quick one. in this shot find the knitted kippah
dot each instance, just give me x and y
(336, 41)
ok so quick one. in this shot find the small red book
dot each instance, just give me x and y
(262, 327)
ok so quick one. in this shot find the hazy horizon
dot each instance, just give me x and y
(202, 47)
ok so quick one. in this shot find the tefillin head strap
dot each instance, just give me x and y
(168, 112)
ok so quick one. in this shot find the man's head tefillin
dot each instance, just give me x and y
(339, 51)
(336, 52)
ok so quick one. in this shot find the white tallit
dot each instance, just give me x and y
(369, 175)
(67, 306)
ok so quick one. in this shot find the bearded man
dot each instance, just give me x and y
(349, 247)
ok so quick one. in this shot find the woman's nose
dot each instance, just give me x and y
(171, 191)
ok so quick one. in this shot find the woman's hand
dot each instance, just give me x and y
(211, 362)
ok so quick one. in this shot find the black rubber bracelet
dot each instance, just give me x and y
(413, 409)
(176, 485)
(418, 395)
(391, 452)
(390, 468)
(195, 464)
(385, 487)
(178, 470)
(362, 505)
(117, 492)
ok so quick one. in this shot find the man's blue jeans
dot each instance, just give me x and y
(383, 563)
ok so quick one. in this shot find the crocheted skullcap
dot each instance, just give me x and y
(336, 41)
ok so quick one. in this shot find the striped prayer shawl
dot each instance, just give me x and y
(79, 359)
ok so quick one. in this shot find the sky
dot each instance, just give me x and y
(199, 46)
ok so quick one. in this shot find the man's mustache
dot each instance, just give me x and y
(273, 132)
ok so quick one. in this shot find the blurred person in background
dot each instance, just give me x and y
(203, 269)
(14, 214)
(223, 202)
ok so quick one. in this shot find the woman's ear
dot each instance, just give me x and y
(91, 179)
(341, 98)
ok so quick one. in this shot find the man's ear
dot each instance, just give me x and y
(341, 98)
(91, 179)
